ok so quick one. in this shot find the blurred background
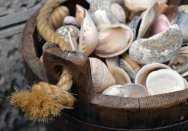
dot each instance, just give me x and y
(13, 15)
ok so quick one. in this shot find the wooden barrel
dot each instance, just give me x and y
(93, 111)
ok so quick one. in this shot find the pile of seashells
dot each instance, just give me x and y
(136, 48)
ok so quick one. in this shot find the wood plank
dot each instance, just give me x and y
(17, 17)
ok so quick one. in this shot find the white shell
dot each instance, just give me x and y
(114, 40)
(103, 12)
(164, 81)
(128, 90)
(120, 76)
(146, 70)
(140, 5)
(101, 76)
(159, 48)
(88, 36)
(80, 13)
(70, 20)
(113, 91)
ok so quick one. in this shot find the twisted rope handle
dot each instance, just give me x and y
(45, 101)
(43, 25)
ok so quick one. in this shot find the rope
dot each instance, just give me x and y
(45, 101)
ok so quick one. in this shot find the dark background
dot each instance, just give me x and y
(13, 15)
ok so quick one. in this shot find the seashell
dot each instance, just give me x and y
(186, 83)
(70, 20)
(106, 12)
(113, 91)
(112, 62)
(58, 15)
(146, 70)
(70, 34)
(179, 63)
(183, 8)
(160, 24)
(141, 5)
(147, 20)
(130, 66)
(88, 35)
(159, 48)
(111, 45)
(128, 90)
(101, 76)
(184, 50)
(135, 24)
(120, 76)
(181, 20)
(171, 12)
(80, 14)
(164, 81)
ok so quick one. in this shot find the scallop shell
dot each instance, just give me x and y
(140, 5)
(146, 70)
(58, 15)
(128, 90)
(70, 34)
(103, 12)
(120, 76)
(111, 45)
(159, 48)
(182, 19)
(88, 36)
(101, 76)
(164, 81)
(148, 18)
(130, 66)
(80, 14)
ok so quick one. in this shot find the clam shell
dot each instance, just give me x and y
(103, 12)
(111, 45)
(135, 24)
(80, 14)
(146, 70)
(183, 8)
(70, 20)
(130, 66)
(113, 91)
(112, 62)
(88, 36)
(128, 90)
(164, 81)
(140, 5)
(171, 12)
(179, 63)
(70, 34)
(159, 48)
(160, 24)
(182, 19)
(120, 76)
(148, 18)
(101, 76)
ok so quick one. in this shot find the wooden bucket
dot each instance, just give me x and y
(93, 111)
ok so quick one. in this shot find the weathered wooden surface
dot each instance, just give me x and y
(13, 14)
